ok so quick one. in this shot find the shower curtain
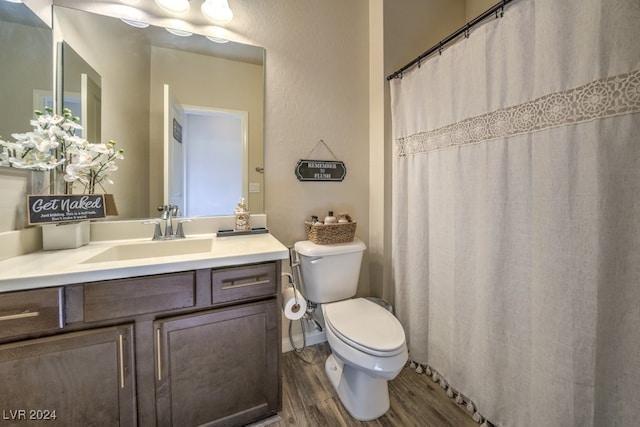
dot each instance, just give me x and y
(516, 214)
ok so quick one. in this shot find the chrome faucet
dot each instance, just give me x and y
(169, 212)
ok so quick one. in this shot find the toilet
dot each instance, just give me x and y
(367, 342)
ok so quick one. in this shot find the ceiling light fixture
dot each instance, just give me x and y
(217, 10)
(174, 6)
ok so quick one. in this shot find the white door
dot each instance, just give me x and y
(173, 151)
(216, 160)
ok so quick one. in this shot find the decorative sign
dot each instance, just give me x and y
(177, 131)
(60, 208)
(320, 170)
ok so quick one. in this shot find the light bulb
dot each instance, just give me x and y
(217, 10)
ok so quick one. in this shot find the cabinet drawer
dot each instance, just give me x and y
(28, 312)
(249, 281)
(129, 297)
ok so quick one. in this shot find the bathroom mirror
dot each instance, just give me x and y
(135, 65)
(26, 64)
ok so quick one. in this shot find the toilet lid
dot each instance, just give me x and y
(365, 325)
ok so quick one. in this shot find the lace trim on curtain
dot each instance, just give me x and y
(607, 97)
(457, 397)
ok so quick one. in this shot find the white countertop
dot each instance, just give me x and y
(52, 268)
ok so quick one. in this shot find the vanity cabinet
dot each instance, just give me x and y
(220, 367)
(177, 349)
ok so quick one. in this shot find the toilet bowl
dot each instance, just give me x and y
(368, 349)
(367, 342)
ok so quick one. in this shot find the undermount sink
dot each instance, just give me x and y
(152, 249)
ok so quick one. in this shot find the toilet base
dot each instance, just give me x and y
(365, 397)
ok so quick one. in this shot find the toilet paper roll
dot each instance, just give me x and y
(293, 310)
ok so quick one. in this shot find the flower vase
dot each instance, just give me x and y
(37, 182)
(65, 235)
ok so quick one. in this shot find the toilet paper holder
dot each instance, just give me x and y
(295, 293)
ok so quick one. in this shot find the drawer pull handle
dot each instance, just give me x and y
(242, 285)
(22, 315)
(121, 359)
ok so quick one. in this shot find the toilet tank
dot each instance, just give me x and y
(329, 272)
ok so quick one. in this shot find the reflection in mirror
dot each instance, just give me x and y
(26, 64)
(206, 152)
(80, 92)
(26, 84)
(135, 64)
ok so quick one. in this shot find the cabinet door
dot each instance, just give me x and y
(220, 367)
(75, 379)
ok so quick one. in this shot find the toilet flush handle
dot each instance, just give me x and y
(316, 260)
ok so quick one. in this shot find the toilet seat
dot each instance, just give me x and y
(365, 326)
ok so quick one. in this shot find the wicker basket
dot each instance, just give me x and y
(327, 234)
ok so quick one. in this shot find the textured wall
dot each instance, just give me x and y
(316, 89)
(476, 7)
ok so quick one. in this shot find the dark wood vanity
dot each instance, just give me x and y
(177, 349)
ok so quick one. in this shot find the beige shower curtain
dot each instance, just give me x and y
(516, 214)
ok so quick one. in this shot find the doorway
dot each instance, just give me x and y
(215, 160)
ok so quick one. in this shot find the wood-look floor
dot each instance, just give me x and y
(309, 398)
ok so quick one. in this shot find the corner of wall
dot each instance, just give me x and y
(378, 174)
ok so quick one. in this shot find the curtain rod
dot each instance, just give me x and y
(462, 30)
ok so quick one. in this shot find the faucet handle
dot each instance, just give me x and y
(164, 211)
(180, 231)
(157, 231)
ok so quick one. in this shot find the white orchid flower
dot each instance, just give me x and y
(54, 142)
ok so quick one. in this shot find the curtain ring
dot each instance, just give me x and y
(440, 49)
